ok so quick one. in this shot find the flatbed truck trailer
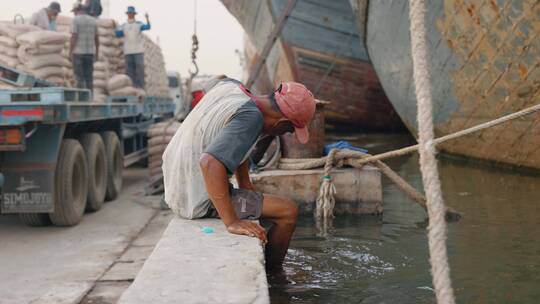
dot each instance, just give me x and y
(62, 155)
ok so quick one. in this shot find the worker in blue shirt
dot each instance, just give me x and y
(134, 46)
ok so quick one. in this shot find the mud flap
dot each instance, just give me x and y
(30, 175)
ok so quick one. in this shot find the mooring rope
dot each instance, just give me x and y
(325, 201)
(440, 269)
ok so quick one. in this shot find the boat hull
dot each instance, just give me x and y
(485, 63)
(321, 47)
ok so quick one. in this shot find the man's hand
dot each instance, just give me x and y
(147, 18)
(248, 228)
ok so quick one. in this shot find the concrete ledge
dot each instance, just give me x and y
(359, 191)
(189, 266)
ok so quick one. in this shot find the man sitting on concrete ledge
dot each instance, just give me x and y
(214, 143)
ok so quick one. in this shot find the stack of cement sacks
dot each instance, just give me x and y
(110, 56)
(156, 80)
(121, 85)
(45, 54)
(41, 53)
(159, 136)
(8, 43)
(33, 50)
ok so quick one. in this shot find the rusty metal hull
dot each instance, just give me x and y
(321, 47)
(485, 63)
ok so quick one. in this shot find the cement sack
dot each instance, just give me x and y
(14, 30)
(99, 75)
(64, 20)
(8, 42)
(102, 31)
(100, 84)
(49, 71)
(6, 86)
(100, 98)
(99, 91)
(155, 171)
(11, 62)
(106, 41)
(39, 61)
(108, 52)
(126, 91)
(119, 81)
(100, 66)
(154, 158)
(64, 28)
(140, 92)
(8, 51)
(168, 124)
(56, 80)
(164, 131)
(25, 51)
(37, 38)
(159, 140)
(105, 23)
(155, 164)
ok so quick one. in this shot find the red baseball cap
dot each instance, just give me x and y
(297, 104)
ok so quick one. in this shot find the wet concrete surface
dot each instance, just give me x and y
(93, 262)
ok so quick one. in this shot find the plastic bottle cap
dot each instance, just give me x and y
(208, 230)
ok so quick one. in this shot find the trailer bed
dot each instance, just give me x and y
(62, 105)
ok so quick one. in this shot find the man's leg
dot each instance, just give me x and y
(89, 72)
(283, 212)
(139, 71)
(130, 67)
(78, 70)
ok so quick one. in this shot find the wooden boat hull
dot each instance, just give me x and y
(485, 63)
(322, 48)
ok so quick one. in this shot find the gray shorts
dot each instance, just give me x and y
(247, 204)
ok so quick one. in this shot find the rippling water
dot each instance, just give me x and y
(494, 250)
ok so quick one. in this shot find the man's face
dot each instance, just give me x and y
(131, 16)
(52, 14)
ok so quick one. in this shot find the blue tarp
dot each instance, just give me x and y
(342, 144)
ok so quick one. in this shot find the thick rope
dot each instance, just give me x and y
(325, 202)
(428, 163)
(292, 164)
(354, 159)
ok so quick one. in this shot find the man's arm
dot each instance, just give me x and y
(217, 186)
(147, 26)
(242, 176)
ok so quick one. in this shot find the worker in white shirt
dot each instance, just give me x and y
(133, 46)
(45, 18)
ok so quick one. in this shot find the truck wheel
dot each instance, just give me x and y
(115, 164)
(71, 187)
(96, 158)
(35, 219)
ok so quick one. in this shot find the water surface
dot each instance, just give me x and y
(494, 250)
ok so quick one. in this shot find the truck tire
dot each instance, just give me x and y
(96, 158)
(35, 219)
(115, 164)
(71, 186)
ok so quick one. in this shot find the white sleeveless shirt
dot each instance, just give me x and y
(185, 191)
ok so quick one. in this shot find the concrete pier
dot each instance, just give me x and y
(359, 191)
(189, 266)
